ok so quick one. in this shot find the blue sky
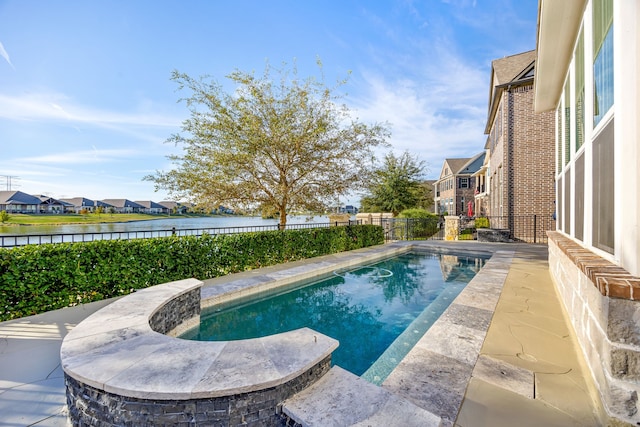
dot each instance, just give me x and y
(86, 102)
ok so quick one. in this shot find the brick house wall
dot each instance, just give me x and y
(531, 178)
(522, 168)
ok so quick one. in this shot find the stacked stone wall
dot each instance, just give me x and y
(601, 299)
(89, 406)
(176, 311)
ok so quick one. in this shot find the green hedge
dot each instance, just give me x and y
(415, 224)
(39, 278)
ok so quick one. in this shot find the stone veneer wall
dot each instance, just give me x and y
(176, 311)
(451, 227)
(602, 301)
(92, 406)
(89, 406)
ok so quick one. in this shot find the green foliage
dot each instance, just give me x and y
(417, 213)
(417, 224)
(466, 234)
(4, 216)
(396, 185)
(482, 222)
(286, 144)
(39, 278)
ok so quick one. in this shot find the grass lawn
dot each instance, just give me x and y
(46, 219)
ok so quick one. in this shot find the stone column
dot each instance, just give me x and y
(451, 227)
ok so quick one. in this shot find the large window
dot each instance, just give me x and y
(602, 58)
(603, 190)
(567, 202)
(559, 139)
(579, 198)
(567, 122)
(559, 204)
(579, 90)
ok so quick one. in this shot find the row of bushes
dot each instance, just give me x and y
(420, 224)
(39, 278)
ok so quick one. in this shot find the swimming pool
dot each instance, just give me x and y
(377, 311)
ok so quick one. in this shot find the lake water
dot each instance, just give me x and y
(147, 226)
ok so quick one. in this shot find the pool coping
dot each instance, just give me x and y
(433, 377)
(117, 351)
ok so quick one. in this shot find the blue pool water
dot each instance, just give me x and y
(377, 312)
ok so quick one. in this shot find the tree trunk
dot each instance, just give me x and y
(283, 218)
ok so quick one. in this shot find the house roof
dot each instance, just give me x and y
(455, 165)
(150, 204)
(122, 203)
(79, 201)
(509, 68)
(473, 165)
(50, 200)
(509, 71)
(18, 198)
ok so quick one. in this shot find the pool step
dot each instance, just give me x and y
(341, 398)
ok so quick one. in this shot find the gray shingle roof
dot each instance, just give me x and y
(79, 201)
(122, 203)
(507, 69)
(149, 204)
(18, 198)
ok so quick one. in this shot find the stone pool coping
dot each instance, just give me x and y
(118, 351)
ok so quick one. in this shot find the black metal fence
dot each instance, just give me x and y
(411, 228)
(521, 228)
(525, 228)
(9, 241)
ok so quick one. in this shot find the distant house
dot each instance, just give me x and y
(520, 143)
(19, 202)
(51, 205)
(123, 205)
(104, 205)
(482, 191)
(454, 190)
(349, 209)
(151, 207)
(78, 204)
(175, 207)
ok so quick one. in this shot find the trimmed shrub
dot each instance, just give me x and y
(420, 224)
(39, 278)
(482, 222)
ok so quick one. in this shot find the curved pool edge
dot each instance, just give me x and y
(120, 366)
(117, 353)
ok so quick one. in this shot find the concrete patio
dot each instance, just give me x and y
(529, 371)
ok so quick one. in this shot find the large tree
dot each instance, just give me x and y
(396, 185)
(288, 145)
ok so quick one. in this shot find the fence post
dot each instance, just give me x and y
(406, 229)
(535, 228)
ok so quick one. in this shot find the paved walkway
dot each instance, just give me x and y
(31, 379)
(530, 372)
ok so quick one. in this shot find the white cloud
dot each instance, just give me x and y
(57, 107)
(82, 157)
(5, 55)
(437, 113)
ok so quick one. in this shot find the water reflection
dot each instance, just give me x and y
(365, 308)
